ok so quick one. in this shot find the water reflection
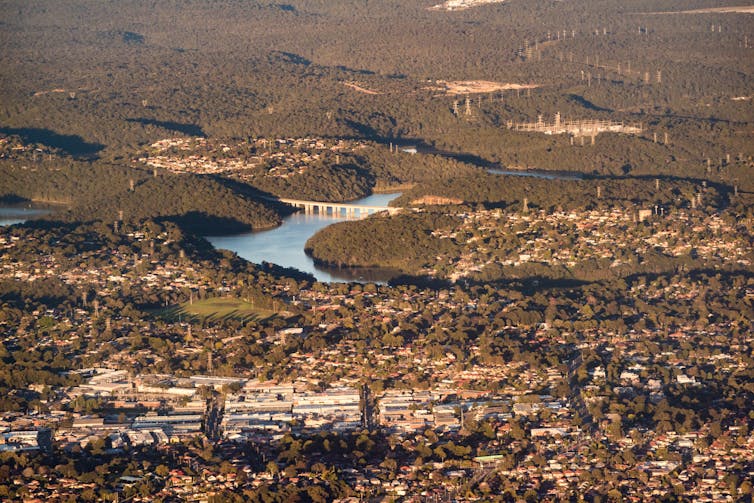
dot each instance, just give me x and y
(284, 245)
(17, 214)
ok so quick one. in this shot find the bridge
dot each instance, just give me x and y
(338, 209)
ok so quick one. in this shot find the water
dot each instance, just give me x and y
(284, 245)
(17, 214)
(496, 168)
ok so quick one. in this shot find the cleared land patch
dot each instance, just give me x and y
(740, 9)
(216, 309)
(451, 5)
(476, 86)
(357, 87)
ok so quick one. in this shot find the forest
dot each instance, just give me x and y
(178, 72)
(84, 97)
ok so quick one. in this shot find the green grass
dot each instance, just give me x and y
(215, 309)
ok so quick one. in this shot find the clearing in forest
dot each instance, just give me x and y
(216, 309)
(451, 5)
(739, 9)
(476, 86)
(357, 87)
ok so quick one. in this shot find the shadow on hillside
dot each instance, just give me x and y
(267, 198)
(366, 132)
(187, 129)
(204, 224)
(532, 284)
(587, 104)
(73, 145)
(288, 57)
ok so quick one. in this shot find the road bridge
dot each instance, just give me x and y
(337, 209)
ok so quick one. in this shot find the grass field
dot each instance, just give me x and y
(215, 309)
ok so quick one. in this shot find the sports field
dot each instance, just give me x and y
(216, 309)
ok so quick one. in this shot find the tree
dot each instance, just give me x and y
(317, 494)
(272, 468)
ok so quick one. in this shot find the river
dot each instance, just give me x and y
(16, 214)
(493, 167)
(284, 245)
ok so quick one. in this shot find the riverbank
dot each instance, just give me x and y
(284, 244)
